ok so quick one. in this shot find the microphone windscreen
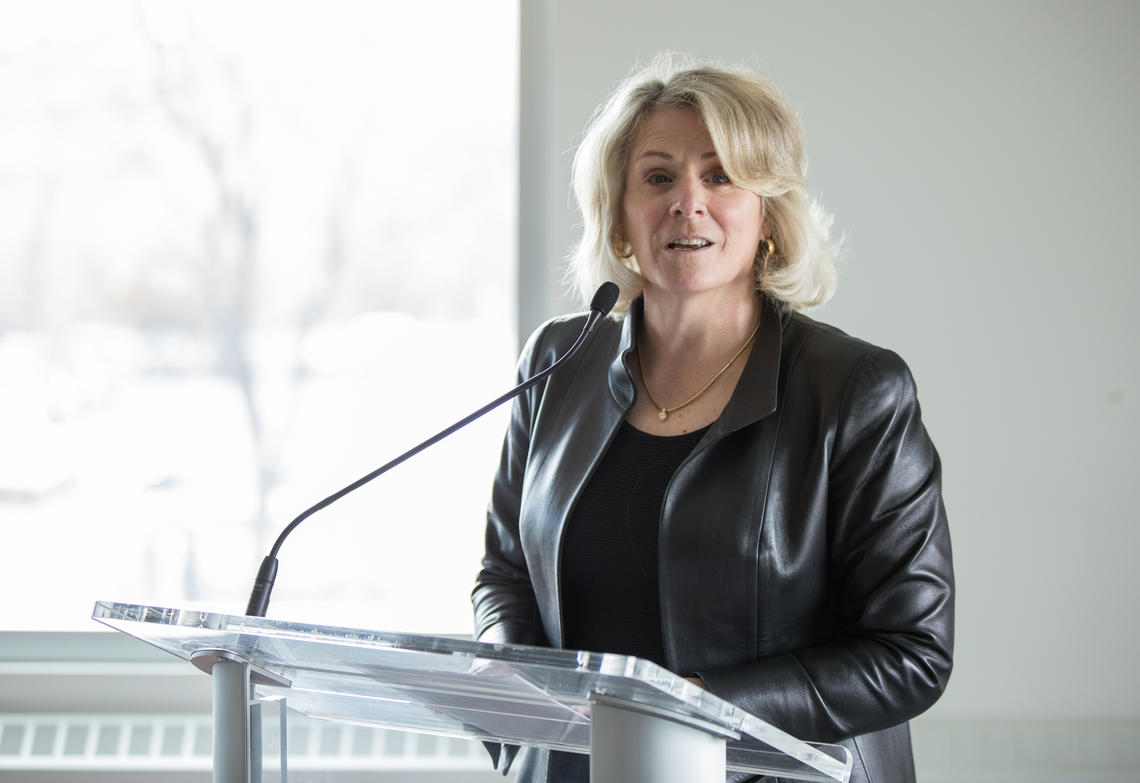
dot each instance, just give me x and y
(605, 298)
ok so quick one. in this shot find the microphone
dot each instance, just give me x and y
(604, 299)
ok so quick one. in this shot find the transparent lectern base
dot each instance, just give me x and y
(312, 750)
(461, 688)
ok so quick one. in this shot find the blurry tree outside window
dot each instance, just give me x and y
(248, 252)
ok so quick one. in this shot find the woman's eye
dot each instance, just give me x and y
(720, 178)
(657, 179)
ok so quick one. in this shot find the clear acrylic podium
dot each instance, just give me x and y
(637, 721)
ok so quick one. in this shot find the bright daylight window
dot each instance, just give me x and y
(248, 253)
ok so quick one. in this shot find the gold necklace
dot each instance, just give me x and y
(664, 412)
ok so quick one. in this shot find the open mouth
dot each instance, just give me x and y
(688, 244)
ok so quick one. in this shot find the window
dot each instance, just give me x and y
(250, 252)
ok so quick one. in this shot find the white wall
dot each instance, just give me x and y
(982, 157)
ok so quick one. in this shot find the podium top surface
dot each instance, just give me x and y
(459, 687)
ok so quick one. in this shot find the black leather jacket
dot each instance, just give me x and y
(805, 567)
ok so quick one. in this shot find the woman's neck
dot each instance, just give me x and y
(696, 326)
(690, 355)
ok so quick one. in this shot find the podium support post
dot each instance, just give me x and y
(634, 743)
(231, 722)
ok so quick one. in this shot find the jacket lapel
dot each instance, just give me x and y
(755, 395)
(571, 438)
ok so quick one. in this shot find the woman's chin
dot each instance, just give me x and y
(697, 285)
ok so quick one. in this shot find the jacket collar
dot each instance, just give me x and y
(755, 395)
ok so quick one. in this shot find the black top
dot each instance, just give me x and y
(611, 601)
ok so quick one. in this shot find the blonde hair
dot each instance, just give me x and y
(758, 139)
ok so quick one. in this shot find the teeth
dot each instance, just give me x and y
(690, 242)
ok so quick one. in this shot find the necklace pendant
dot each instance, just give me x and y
(663, 415)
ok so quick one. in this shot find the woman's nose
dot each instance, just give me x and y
(690, 199)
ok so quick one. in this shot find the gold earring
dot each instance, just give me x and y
(764, 254)
(620, 247)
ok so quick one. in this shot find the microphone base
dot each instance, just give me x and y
(262, 587)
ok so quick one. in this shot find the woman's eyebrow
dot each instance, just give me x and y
(655, 154)
(667, 156)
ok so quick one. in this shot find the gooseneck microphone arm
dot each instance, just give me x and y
(603, 301)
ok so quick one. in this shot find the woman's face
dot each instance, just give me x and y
(692, 230)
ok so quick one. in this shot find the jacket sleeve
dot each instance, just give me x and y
(506, 609)
(891, 577)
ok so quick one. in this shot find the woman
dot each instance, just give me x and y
(718, 483)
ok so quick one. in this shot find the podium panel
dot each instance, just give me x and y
(457, 687)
